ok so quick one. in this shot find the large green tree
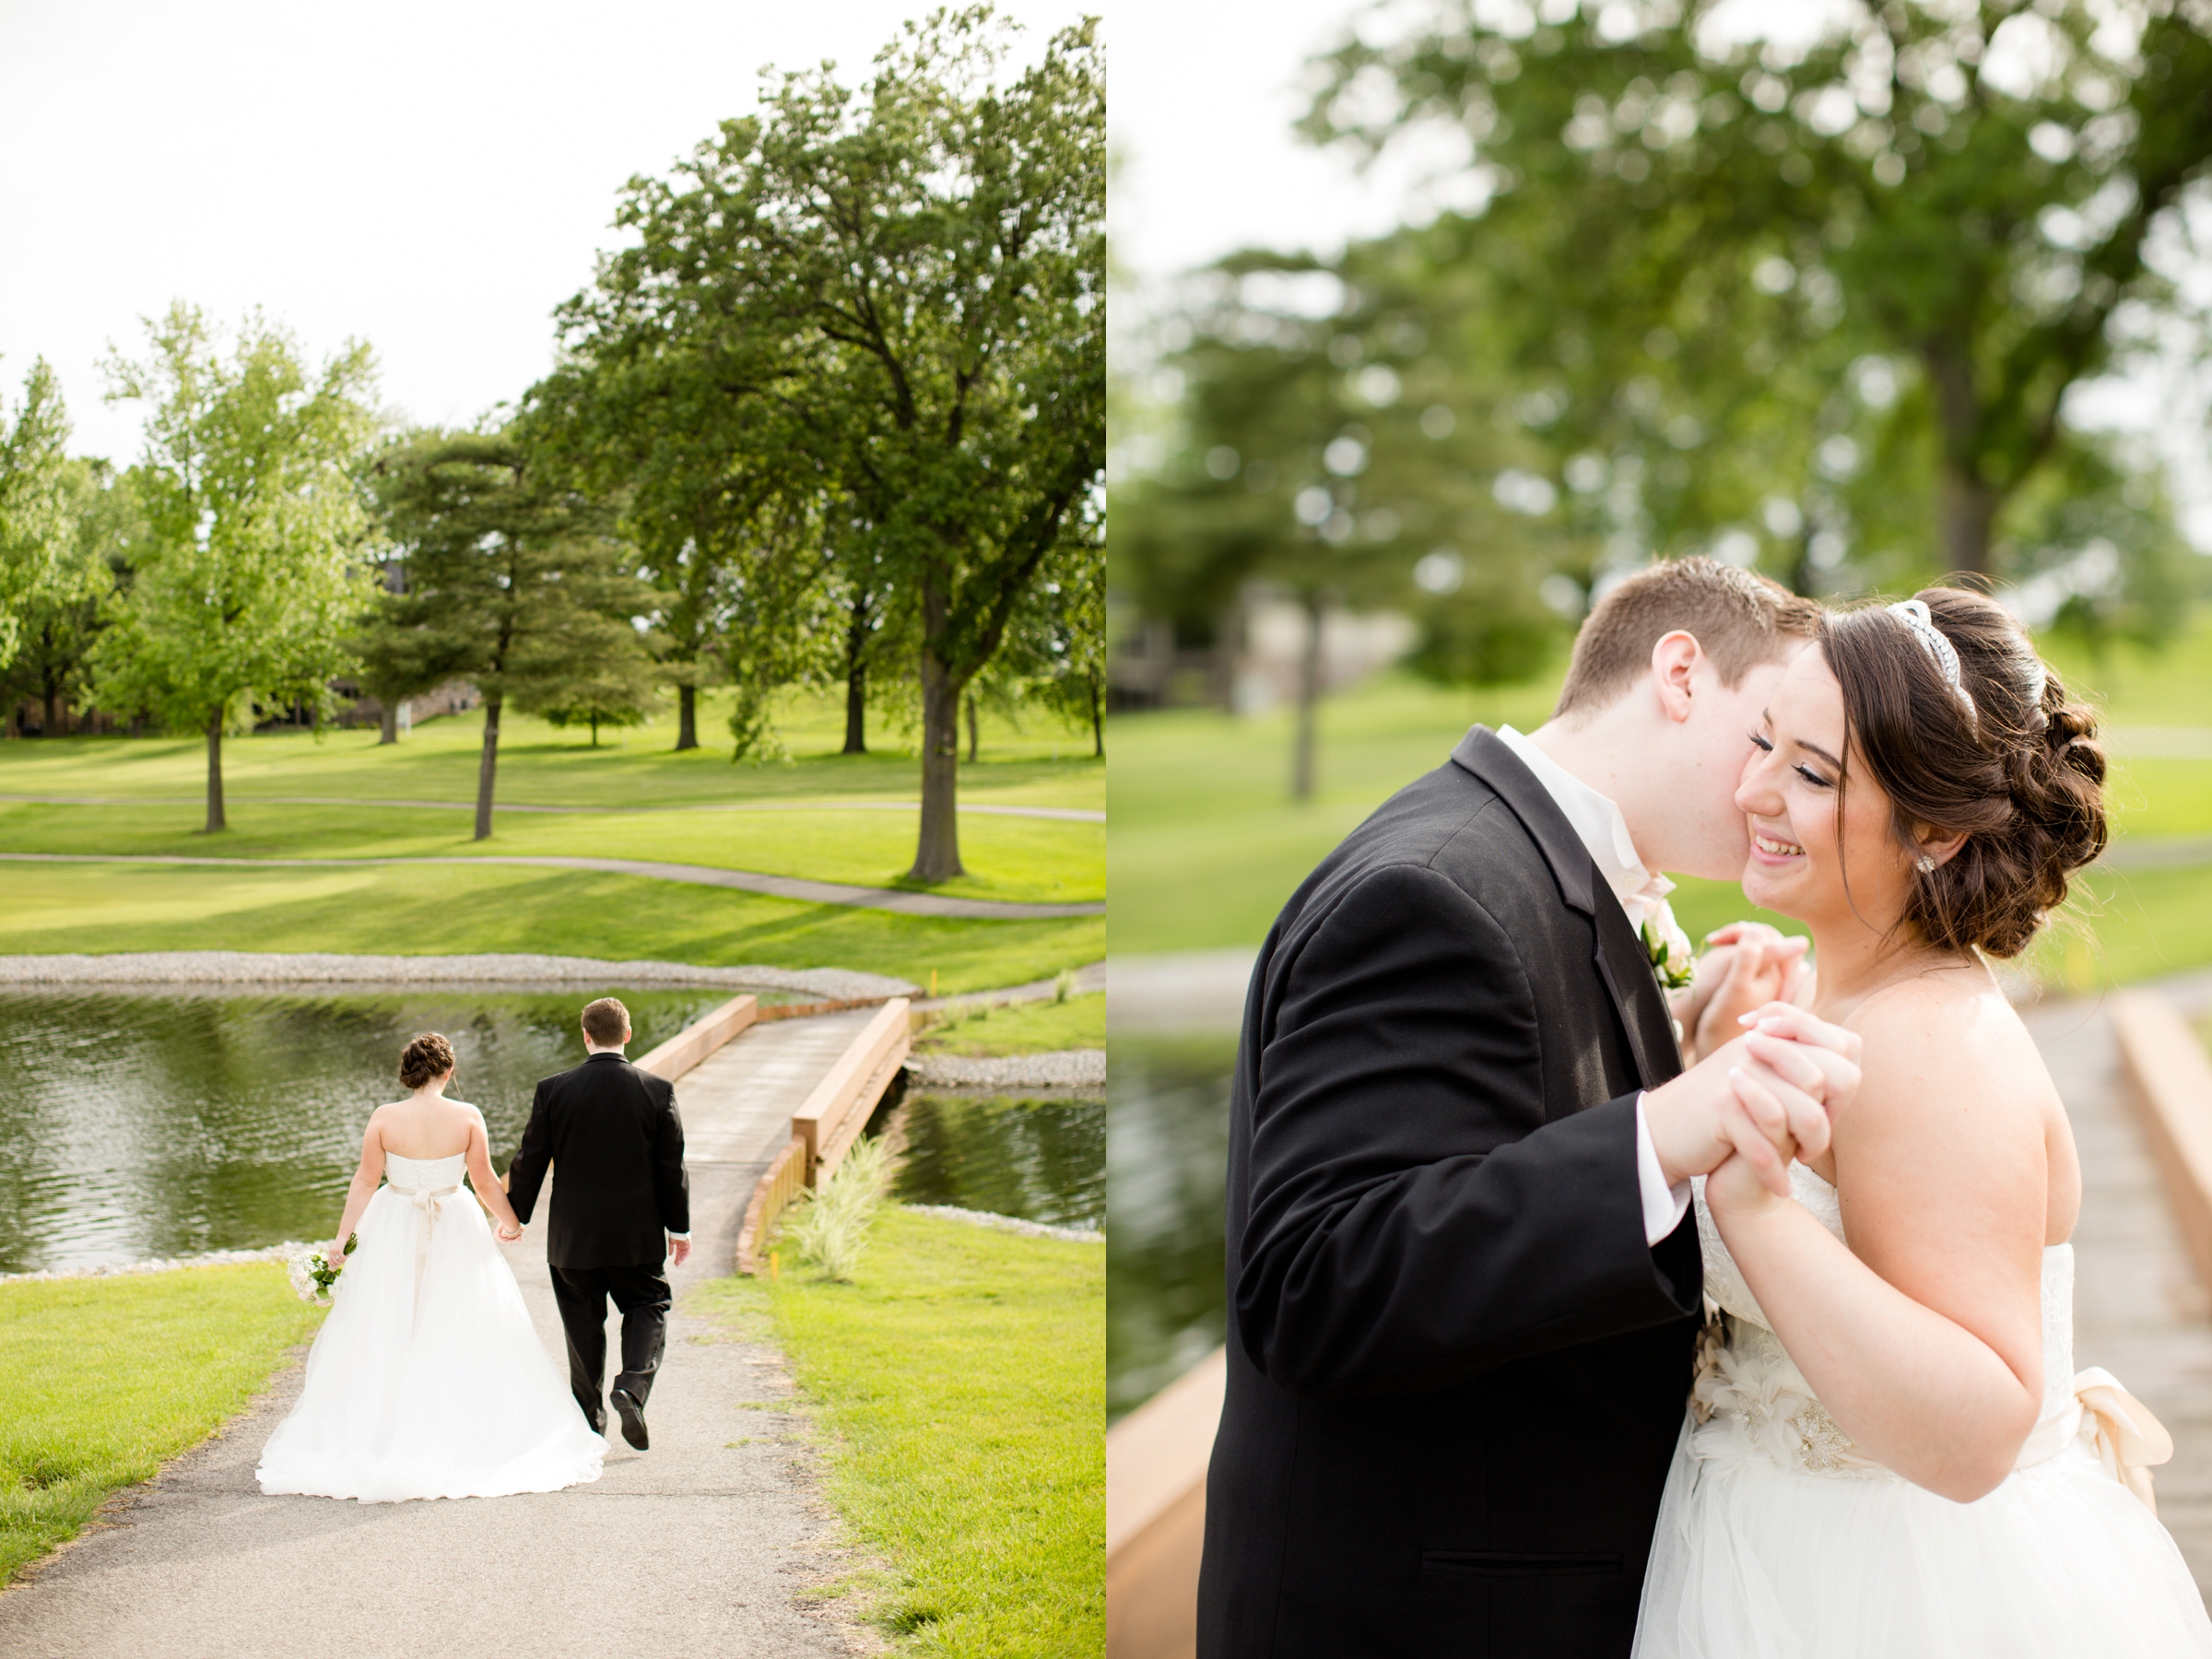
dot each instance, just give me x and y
(907, 281)
(36, 521)
(63, 614)
(252, 567)
(514, 580)
(1681, 215)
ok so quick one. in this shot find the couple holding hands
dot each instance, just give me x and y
(1569, 1317)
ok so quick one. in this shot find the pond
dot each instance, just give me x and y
(1043, 1160)
(1167, 1163)
(153, 1125)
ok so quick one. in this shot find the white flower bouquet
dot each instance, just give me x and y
(312, 1275)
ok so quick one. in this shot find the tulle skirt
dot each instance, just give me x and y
(1756, 1560)
(431, 1385)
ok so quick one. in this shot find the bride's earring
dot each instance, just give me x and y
(1923, 864)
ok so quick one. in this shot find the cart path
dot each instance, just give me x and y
(696, 1547)
(774, 887)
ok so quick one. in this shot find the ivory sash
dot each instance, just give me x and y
(2130, 1441)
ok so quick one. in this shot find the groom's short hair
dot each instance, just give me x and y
(1739, 621)
(604, 1022)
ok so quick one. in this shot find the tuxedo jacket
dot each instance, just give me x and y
(1456, 1367)
(614, 1131)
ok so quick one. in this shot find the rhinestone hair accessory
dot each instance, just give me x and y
(1913, 613)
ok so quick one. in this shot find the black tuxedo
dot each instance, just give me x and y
(613, 1132)
(1456, 1368)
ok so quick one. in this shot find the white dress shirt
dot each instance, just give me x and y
(1642, 894)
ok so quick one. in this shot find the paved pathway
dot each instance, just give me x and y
(775, 886)
(695, 1547)
(1072, 815)
(2140, 1307)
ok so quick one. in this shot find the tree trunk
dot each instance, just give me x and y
(975, 743)
(486, 767)
(687, 718)
(594, 731)
(937, 852)
(1097, 722)
(52, 728)
(215, 770)
(1309, 694)
(1968, 511)
(856, 678)
(387, 724)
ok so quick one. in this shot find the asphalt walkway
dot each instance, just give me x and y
(694, 1547)
(750, 881)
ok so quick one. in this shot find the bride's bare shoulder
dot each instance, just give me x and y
(1946, 1052)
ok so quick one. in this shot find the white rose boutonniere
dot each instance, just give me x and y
(1667, 946)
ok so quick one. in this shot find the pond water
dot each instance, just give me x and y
(1040, 1160)
(1167, 1164)
(155, 1124)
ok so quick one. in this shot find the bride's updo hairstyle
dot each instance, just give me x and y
(2012, 764)
(430, 1056)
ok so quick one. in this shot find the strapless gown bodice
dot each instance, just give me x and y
(412, 1175)
(1750, 1386)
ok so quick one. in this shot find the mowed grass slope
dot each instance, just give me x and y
(639, 800)
(959, 1389)
(104, 1378)
(1205, 845)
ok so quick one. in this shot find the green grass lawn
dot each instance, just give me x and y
(1034, 860)
(959, 1390)
(438, 910)
(1205, 845)
(104, 1378)
(543, 765)
(1021, 1028)
(638, 799)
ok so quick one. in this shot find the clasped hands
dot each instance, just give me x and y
(1768, 1093)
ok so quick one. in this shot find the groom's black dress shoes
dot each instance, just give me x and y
(633, 1418)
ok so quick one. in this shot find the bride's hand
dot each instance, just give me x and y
(1735, 1193)
(1757, 966)
(507, 1235)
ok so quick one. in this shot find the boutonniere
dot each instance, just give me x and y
(1667, 946)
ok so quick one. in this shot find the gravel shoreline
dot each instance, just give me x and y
(285, 970)
(1061, 1068)
(1013, 1224)
(213, 1258)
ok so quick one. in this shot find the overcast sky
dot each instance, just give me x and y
(431, 178)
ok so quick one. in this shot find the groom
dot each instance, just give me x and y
(1464, 1287)
(621, 1208)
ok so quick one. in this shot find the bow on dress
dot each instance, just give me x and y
(2130, 1441)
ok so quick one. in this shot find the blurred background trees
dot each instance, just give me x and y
(1825, 308)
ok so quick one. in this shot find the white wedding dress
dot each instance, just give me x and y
(428, 1379)
(1778, 1539)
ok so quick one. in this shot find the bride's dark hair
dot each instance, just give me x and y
(2019, 773)
(430, 1056)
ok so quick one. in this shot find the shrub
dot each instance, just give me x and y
(830, 1227)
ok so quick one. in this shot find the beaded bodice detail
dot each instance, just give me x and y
(1749, 1396)
(425, 1174)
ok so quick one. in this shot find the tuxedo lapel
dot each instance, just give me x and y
(1619, 957)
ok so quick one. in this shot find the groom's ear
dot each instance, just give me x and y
(1676, 659)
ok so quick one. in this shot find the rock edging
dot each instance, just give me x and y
(1013, 1224)
(1060, 1068)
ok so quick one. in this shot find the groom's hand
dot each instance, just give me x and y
(678, 1249)
(1769, 1095)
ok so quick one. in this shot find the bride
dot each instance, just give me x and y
(1888, 1450)
(428, 1379)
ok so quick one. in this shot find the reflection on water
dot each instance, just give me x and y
(1041, 1160)
(1167, 1162)
(148, 1125)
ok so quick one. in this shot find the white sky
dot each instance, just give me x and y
(432, 178)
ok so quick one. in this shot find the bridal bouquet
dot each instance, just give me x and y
(312, 1275)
